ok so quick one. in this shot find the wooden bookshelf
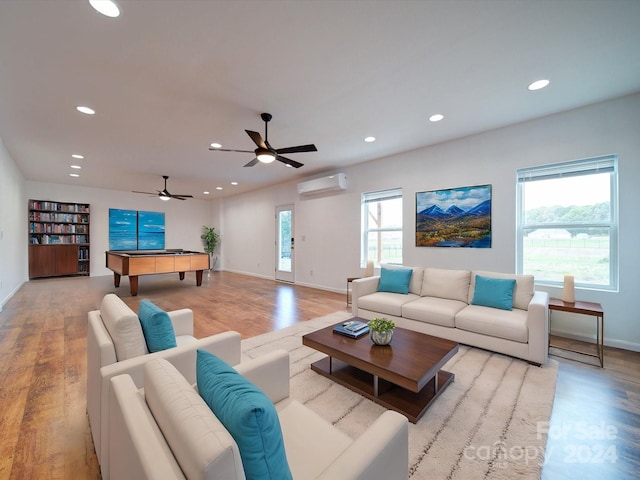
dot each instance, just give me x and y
(59, 238)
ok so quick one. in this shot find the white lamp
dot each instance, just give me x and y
(264, 155)
(569, 290)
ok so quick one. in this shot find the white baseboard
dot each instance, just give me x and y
(609, 342)
(10, 295)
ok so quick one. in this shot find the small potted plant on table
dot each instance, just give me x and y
(381, 330)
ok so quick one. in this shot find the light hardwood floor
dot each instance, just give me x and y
(594, 429)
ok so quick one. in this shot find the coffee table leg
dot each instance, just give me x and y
(330, 365)
(375, 385)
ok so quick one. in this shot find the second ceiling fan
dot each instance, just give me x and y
(265, 153)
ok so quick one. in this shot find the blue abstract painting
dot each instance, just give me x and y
(150, 230)
(123, 226)
(136, 230)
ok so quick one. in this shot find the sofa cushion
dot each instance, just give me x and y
(415, 285)
(439, 311)
(198, 440)
(385, 303)
(123, 326)
(156, 327)
(247, 413)
(522, 293)
(494, 292)
(395, 280)
(444, 283)
(510, 325)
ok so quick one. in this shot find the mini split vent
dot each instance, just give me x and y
(334, 182)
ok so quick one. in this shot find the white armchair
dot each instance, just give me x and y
(173, 434)
(116, 346)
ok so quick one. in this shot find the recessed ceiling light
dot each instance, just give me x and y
(436, 118)
(537, 85)
(370, 139)
(74, 175)
(106, 7)
(234, 183)
(77, 167)
(218, 188)
(87, 110)
(216, 145)
(79, 157)
(206, 193)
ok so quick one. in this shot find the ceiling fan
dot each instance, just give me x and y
(164, 194)
(265, 153)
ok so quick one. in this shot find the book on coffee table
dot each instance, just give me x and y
(351, 329)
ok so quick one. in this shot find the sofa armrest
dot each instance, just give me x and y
(182, 321)
(380, 453)
(225, 345)
(100, 352)
(270, 373)
(538, 324)
(137, 446)
(362, 287)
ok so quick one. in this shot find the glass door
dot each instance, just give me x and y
(284, 244)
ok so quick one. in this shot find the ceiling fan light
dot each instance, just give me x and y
(106, 7)
(265, 156)
(164, 199)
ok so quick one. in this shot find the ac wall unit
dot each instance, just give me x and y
(337, 181)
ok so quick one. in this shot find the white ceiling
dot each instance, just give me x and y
(168, 77)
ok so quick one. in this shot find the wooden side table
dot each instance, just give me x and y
(349, 280)
(583, 308)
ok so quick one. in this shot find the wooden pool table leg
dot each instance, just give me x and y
(116, 279)
(133, 285)
(181, 274)
(199, 277)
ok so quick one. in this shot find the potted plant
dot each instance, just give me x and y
(210, 239)
(381, 330)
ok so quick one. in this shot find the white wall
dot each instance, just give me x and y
(183, 219)
(13, 227)
(327, 227)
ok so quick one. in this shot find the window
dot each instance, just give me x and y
(568, 222)
(382, 227)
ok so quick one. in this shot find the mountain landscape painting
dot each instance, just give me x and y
(456, 217)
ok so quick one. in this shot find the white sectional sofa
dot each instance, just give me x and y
(440, 302)
(166, 431)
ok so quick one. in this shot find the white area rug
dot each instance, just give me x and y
(490, 423)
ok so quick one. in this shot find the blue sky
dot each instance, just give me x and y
(463, 197)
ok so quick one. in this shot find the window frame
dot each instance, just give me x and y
(378, 196)
(587, 166)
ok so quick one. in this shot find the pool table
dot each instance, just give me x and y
(147, 262)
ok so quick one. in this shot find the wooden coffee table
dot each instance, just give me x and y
(404, 376)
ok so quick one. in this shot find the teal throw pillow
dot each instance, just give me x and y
(156, 327)
(248, 415)
(494, 292)
(395, 280)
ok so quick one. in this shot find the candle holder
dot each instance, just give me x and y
(569, 289)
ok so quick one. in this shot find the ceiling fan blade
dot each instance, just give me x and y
(298, 149)
(252, 162)
(182, 197)
(288, 161)
(228, 150)
(146, 193)
(257, 139)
